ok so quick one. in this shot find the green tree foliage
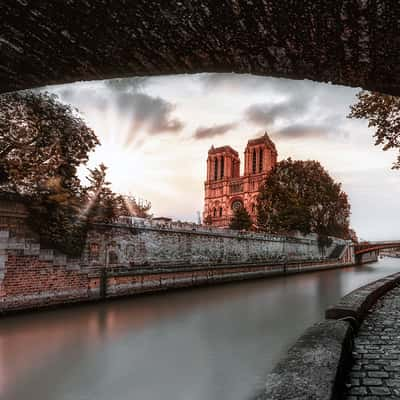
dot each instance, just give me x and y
(383, 113)
(57, 225)
(42, 143)
(241, 220)
(100, 201)
(129, 206)
(301, 196)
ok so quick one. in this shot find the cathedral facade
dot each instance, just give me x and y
(226, 189)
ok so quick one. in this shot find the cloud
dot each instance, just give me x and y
(266, 114)
(152, 113)
(84, 97)
(298, 131)
(122, 99)
(203, 132)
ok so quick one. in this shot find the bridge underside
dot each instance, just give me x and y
(369, 252)
(354, 43)
(359, 250)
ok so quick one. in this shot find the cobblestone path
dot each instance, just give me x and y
(376, 372)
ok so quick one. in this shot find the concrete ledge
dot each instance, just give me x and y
(315, 366)
(354, 306)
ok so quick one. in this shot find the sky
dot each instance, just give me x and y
(155, 133)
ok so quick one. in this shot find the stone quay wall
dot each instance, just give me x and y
(130, 259)
(149, 244)
(318, 363)
(138, 256)
(367, 258)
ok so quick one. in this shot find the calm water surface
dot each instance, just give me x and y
(211, 343)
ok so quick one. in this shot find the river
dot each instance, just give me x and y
(210, 343)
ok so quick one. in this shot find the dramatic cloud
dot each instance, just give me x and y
(203, 132)
(81, 96)
(298, 131)
(267, 114)
(148, 112)
(135, 114)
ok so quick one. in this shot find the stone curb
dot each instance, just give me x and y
(314, 367)
(354, 306)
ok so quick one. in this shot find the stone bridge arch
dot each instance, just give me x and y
(348, 42)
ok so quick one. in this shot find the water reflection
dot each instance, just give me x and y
(209, 343)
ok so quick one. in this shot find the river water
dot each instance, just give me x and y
(211, 343)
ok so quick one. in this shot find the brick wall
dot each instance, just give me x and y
(31, 281)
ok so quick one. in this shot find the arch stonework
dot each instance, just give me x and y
(349, 42)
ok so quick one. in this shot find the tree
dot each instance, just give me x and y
(383, 113)
(101, 203)
(41, 140)
(241, 219)
(42, 143)
(301, 196)
(57, 225)
(129, 206)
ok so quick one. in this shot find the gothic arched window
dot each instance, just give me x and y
(215, 212)
(220, 211)
(260, 161)
(254, 162)
(222, 167)
(215, 168)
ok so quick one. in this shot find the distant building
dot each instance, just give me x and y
(161, 220)
(226, 190)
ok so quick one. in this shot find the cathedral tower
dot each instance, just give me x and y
(225, 189)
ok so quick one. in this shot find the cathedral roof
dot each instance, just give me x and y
(222, 149)
(265, 139)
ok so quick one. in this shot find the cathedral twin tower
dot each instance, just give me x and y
(226, 190)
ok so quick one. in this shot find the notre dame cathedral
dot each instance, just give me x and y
(226, 190)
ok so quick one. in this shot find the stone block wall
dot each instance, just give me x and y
(190, 245)
(126, 259)
(366, 258)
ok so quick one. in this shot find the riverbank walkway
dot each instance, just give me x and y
(376, 371)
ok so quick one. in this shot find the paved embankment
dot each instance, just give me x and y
(376, 370)
(318, 364)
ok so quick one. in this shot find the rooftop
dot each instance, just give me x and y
(222, 149)
(263, 139)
